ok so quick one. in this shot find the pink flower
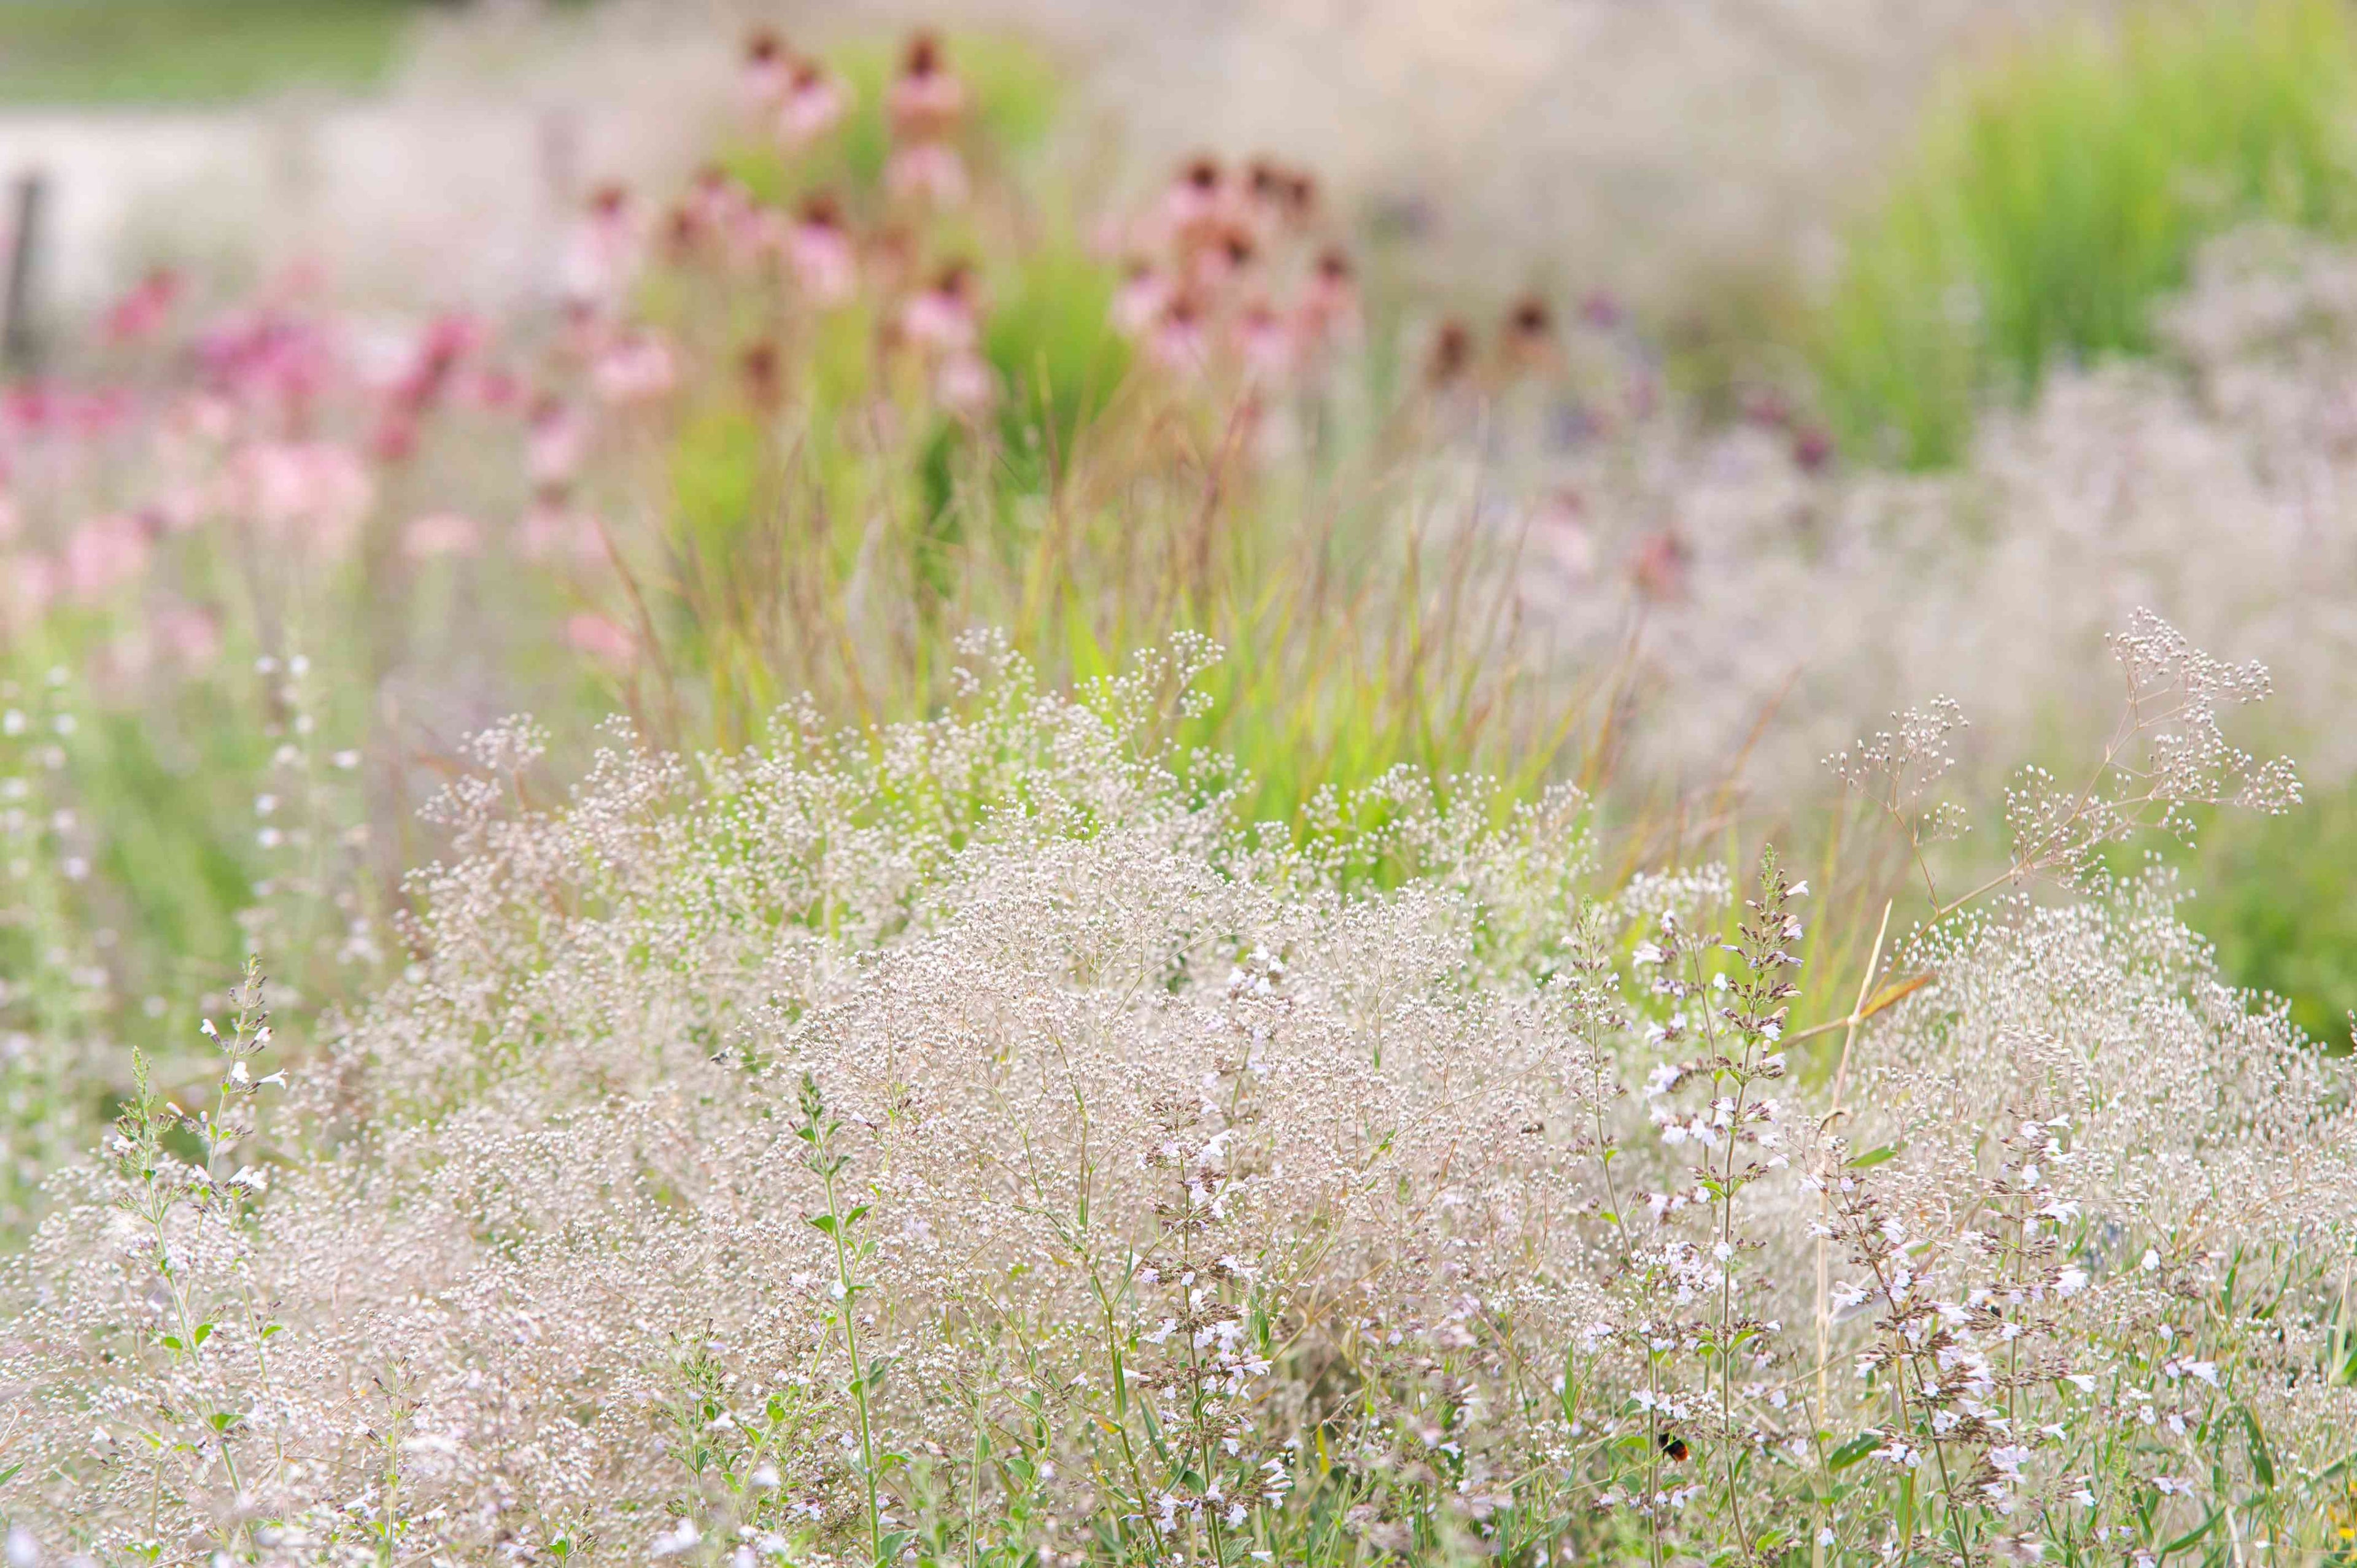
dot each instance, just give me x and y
(637, 368)
(441, 533)
(1178, 343)
(766, 74)
(141, 312)
(966, 384)
(311, 494)
(600, 638)
(188, 635)
(929, 170)
(928, 98)
(11, 519)
(1330, 305)
(28, 586)
(548, 530)
(819, 250)
(1267, 341)
(1197, 198)
(1559, 528)
(1660, 565)
(1141, 299)
(604, 252)
(553, 444)
(813, 105)
(105, 553)
(943, 317)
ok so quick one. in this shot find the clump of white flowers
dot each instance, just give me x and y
(968, 1143)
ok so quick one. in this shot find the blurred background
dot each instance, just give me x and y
(1652, 395)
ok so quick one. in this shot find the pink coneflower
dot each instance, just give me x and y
(11, 519)
(447, 341)
(819, 250)
(927, 99)
(552, 444)
(943, 316)
(103, 553)
(549, 528)
(309, 495)
(637, 367)
(494, 388)
(1197, 197)
(767, 74)
(1559, 528)
(600, 638)
(140, 312)
(394, 438)
(188, 636)
(1659, 566)
(1179, 341)
(1529, 339)
(1450, 355)
(814, 104)
(966, 384)
(1329, 303)
(1279, 196)
(30, 583)
(1139, 302)
(764, 376)
(1266, 341)
(603, 251)
(1225, 256)
(1812, 447)
(929, 170)
(441, 533)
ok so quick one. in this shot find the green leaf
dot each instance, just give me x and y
(2262, 1465)
(1856, 1449)
(1873, 1157)
(2196, 1533)
(889, 1551)
(822, 1223)
(204, 1332)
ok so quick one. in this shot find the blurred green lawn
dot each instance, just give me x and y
(135, 52)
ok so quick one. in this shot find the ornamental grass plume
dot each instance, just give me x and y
(968, 1140)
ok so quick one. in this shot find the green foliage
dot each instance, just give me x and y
(2057, 195)
(2278, 896)
(189, 51)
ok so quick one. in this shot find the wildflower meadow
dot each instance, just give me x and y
(985, 853)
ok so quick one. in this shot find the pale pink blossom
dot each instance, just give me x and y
(819, 250)
(767, 73)
(190, 635)
(310, 494)
(928, 98)
(813, 105)
(30, 583)
(943, 317)
(1265, 341)
(931, 171)
(966, 384)
(441, 533)
(1144, 294)
(105, 553)
(547, 529)
(638, 367)
(554, 443)
(600, 638)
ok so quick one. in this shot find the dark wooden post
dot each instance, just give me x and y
(20, 340)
